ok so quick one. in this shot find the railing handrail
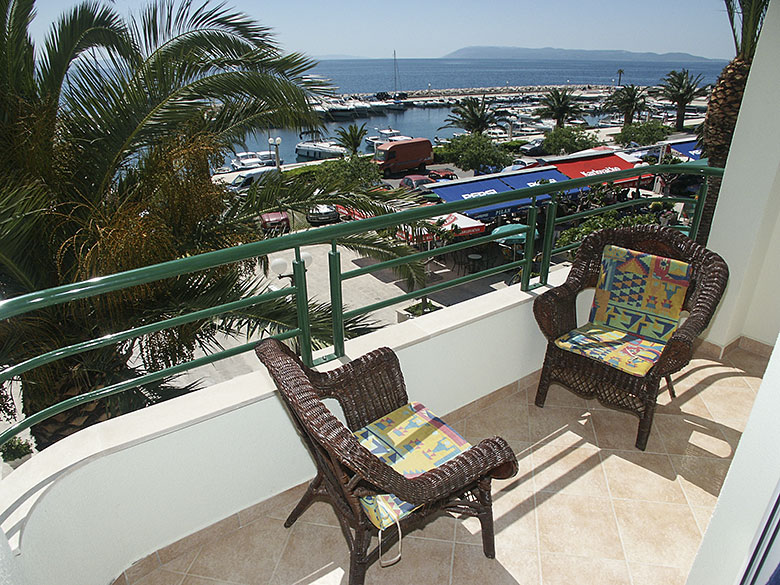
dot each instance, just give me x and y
(113, 282)
(100, 285)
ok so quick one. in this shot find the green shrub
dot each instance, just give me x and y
(16, 448)
(569, 139)
(608, 219)
(513, 146)
(643, 134)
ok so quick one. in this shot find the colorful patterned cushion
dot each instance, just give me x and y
(627, 352)
(640, 293)
(411, 440)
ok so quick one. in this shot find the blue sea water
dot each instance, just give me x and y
(372, 75)
(352, 76)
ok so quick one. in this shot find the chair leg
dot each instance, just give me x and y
(544, 386)
(645, 424)
(358, 558)
(307, 498)
(670, 386)
(485, 516)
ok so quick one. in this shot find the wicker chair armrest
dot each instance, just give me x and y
(367, 388)
(556, 310)
(490, 458)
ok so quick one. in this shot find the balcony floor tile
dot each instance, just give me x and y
(586, 505)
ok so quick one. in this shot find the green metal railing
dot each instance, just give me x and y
(329, 234)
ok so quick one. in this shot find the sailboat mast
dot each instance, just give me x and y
(395, 75)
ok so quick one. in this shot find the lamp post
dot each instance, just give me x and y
(275, 142)
(279, 266)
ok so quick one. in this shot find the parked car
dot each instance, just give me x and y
(275, 222)
(442, 175)
(533, 148)
(322, 214)
(415, 181)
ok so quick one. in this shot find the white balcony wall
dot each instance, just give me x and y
(746, 227)
(746, 231)
(85, 509)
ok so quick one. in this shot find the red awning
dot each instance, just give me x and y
(457, 222)
(599, 165)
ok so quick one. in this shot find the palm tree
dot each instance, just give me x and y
(746, 18)
(110, 171)
(559, 105)
(351, 137)
(620, 73)
(681, 88)
(472, 115)
(629, 101)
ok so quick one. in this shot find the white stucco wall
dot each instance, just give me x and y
(750, 204)
(746, 227)
(116, 492)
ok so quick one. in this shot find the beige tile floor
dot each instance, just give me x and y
(585, 507)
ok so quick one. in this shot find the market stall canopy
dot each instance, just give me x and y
(498, 184)
(690, 149)
(599, 165)
(457, 223)
(512, 239)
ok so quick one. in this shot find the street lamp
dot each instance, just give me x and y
(280, 266)
(275, 142)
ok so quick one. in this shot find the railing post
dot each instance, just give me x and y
(700, 199)
(549, 238)
(302, 304)
(528, 249)
(336, 301)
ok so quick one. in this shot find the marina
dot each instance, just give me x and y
(423, 115)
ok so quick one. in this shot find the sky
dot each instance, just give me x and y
(433, 28)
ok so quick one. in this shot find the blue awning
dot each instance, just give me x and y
(489, 186)
(690, 149)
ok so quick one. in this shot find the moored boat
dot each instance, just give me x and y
(319, 149)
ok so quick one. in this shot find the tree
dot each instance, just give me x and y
(568, 140)
(110, 171)
(559, 105)
(746, 18)
(351, 137)
(629, 100)
(642, 134)
(620, 73)
(472, 115)
(681, 88)
(474, 152)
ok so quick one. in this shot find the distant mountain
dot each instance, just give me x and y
(551, 54)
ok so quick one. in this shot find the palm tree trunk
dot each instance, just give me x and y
(680, 122)
(718, 131)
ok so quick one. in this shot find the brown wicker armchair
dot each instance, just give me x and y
(369, 388)
(555, 313)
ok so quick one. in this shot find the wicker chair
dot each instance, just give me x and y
(556, 314)
(349, 475)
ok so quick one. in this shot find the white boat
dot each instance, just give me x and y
(385, 135)
(252, 160)
(319, 149)
(339, 110)
(360, 108)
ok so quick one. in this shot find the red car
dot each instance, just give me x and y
(415, 181)
(442, 175)
(275, 222)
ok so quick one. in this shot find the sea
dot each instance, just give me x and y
(369, 76)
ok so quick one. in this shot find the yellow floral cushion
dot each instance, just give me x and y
(627, 352)
(411, 440)
(640, 293)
